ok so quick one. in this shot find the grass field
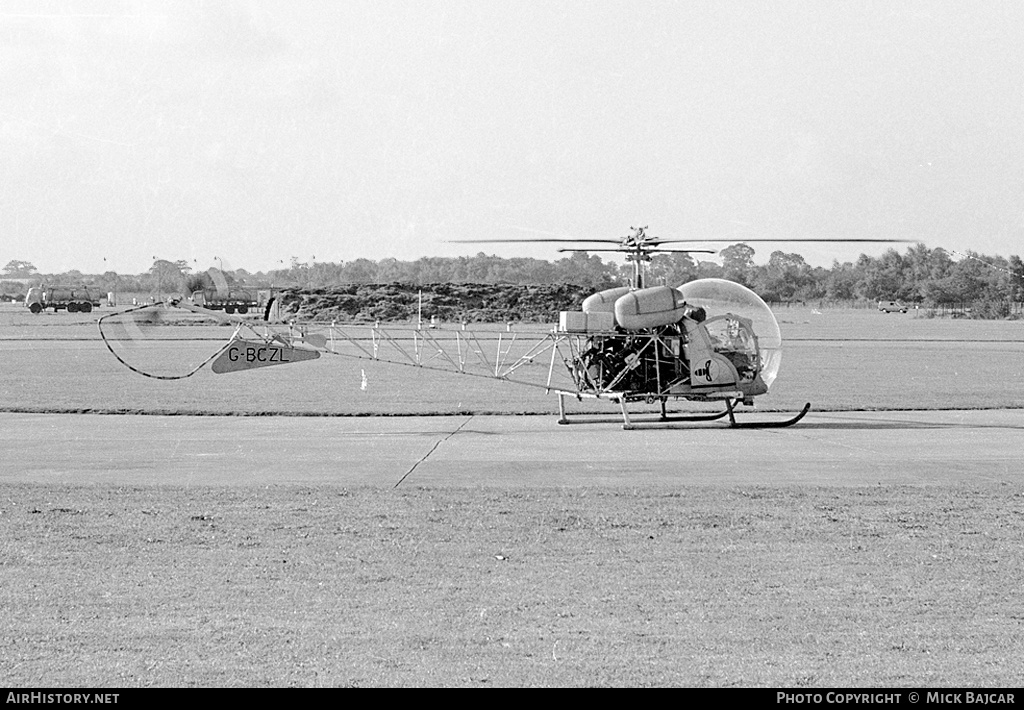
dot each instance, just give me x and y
(323, 586)
(711, 586)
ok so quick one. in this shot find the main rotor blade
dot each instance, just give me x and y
(683, 251)
(740, 240)
(523, 241)
(628, 250)
(654, 241)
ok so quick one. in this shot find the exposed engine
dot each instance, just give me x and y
(630, 362)
(657, 359)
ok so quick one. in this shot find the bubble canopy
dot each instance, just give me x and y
(718, 297)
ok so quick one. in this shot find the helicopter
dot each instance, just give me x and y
(708, 341)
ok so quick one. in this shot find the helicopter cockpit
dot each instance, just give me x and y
(743, 324)
(733, 336)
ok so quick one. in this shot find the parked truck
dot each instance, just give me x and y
(228, 300)
(75, 299)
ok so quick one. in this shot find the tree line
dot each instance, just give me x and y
(992, 286)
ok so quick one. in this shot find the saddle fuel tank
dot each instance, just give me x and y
(604, 301)
(650, 308)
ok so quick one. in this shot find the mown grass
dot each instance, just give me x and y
(906, 586)
(157, 586)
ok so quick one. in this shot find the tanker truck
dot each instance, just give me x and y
(227, 300)
(74, 299)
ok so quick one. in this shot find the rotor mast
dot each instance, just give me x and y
(635, 246)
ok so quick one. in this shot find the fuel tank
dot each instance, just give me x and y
(649, 308)
(604, 301)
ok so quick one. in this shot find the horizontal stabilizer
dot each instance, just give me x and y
(241, 354)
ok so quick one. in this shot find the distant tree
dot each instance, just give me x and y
(198, 282)
(841, 282)
(389, 270)
(16, 268)
(883, 278)
(738, 263)
(72, 277)
(109, 281)
(987, 284)
(166, 276)
(916, 270)
(814, 287)
(940, 292)
(1016, 281)
(582, 269)
(709, 270)
(973, 277)
(671, 269)
(360, 271)
(784, 276)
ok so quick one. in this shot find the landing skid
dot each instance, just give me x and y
(763, 425)
(667, 422)
(663, 419)
(647, 423)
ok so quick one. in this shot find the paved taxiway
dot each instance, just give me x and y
(849, 448)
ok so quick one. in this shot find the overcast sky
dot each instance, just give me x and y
(260, 131)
